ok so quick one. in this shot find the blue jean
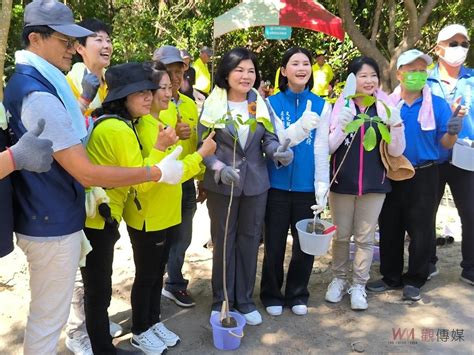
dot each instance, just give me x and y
(178, 246)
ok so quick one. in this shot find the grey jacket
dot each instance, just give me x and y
(250, 161)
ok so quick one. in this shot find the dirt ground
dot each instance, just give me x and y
(442, 322)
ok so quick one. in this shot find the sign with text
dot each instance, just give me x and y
(278, 32)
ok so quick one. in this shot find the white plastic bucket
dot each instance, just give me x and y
(463, 156)
(312, 243)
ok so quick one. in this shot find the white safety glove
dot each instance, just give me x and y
(171, 168)
(309, 120)
(345, 116)
(395, 117)
(322, 190)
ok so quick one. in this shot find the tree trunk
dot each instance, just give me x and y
(5, 18)
(367, 46)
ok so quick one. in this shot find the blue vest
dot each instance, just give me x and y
(6, 206)
(299, 175)
(47, 204)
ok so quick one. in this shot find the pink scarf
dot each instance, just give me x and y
(340, 103)
(426, 115)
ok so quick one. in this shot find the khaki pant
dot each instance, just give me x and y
(52, 266)
(354, 215)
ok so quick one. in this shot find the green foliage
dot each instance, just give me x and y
(370, 139)
(140, 26)
(354, 126)
(384, 132)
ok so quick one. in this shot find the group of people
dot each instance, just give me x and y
(98, 146)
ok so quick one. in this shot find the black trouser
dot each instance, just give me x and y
(150, 254)
(408, 207)
(243, 238)
(97, 278)
(284, 209)
(461, 183)
(180, 243)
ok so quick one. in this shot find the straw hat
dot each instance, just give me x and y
(398, 168)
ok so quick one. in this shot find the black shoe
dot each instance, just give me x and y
(432, 271)
(467, 277)
(380, 286)
(411, 293)
(181, 298)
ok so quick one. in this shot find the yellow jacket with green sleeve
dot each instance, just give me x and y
(161, 205)
(203, 77)
(322, 76)
(186, 110)
(114, 143)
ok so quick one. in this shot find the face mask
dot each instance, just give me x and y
(455, 56)
(414, 81)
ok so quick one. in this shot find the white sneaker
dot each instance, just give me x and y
(274, 310)
(148, 342)
(115, 329)
(358, 297)
(79, 345)
(300, 309)
(253, 318)
(168, 337)
(336, 290)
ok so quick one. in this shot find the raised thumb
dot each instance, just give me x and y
(176, 152)
(39, 127)
(308, 105)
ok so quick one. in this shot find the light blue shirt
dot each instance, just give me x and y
(464, 88)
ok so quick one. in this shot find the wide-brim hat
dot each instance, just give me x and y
(125, 79)
(398, 168)
(55, 15)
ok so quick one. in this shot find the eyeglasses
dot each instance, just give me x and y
(69, 41)
(463, 44)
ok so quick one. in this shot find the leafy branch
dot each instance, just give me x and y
(370, 137)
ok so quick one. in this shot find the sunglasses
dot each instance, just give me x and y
(463, 44)
(69, 41)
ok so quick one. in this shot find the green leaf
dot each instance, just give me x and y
(370, 139)
(253, 126)
(364, 116)
(384, 132)
(355, 95)
(387, 109)
(354, 125)
(267, 124)
(368, 100)
(239, 119)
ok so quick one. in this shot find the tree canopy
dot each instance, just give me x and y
(378, 28)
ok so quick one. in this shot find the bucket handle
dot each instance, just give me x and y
(236, 335)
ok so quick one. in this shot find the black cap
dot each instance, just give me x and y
(125, 79)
